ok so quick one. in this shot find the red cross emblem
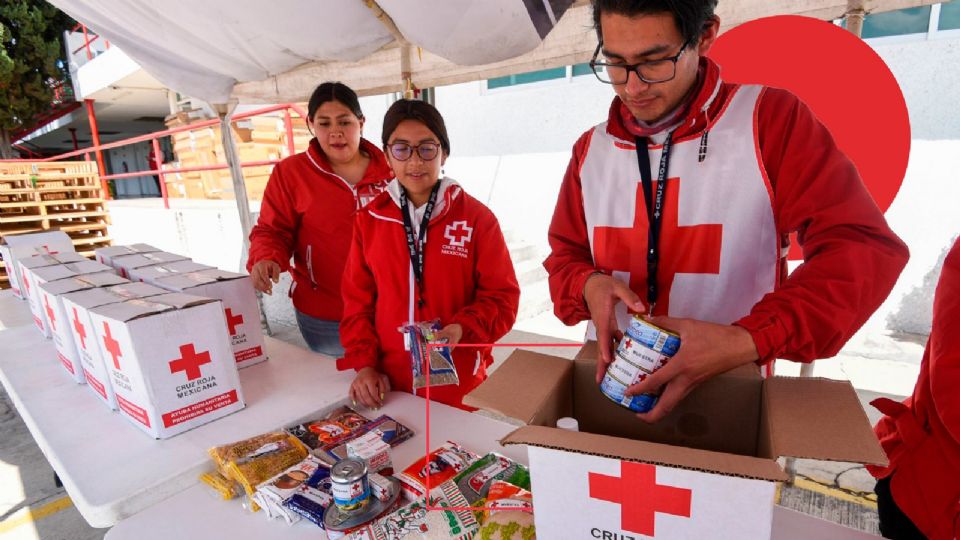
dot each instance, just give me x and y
(112, 346)
(50, 314)
(26, 283)
(639, 496)
(693, 249)
(190, 362)
(458, 233)
(81, 331)
(233, 321)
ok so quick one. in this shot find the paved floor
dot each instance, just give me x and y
(33, 507)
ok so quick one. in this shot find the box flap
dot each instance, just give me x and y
(529, 386)
(52, 238)
(92, 298)
(136, 290)
(114, 251)
(38, 261)
(129, 310)
(88, 267)
(795, 414)
(54, 272)
(146, 259)
(63, 286)
(180, 300)
(647, 452)
(103, 279)
(158, 271)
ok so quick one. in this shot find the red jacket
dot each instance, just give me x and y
(307, 212)
(468, 279)
(852, 258)
(922, 435)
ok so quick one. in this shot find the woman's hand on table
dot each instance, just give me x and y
(369, 388)
(264, 274)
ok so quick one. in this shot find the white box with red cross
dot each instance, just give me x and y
(34, 276)
(240, 308)
(106, 254)
(56, 315)
(707, 470)
(14, 247)
(28, 288)
(125, 263)
(151, 274)
(170, 361)
(77, 306)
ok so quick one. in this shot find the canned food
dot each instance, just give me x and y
(349, 484)
(644, 349)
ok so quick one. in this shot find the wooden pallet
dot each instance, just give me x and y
(46, 196)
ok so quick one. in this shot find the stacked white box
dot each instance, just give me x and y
(52, 293)
(106, 255)
(171, 363)
(34, 272)
(15, 247)
(77, 306)
(151, 274)
(125, 263)
(240, 308)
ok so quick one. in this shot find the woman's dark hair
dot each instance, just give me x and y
(690, 16)
(334, 91)
(421, 111)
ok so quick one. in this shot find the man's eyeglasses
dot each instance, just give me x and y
(654, 71)
(403, 151)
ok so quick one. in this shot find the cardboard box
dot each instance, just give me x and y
(125, 263)
(106, 255)
(60, 323)
(241, 311)
(77, 306)
(707, 470)
(170, 361)
(36, 270)
(20, 246)
(151, 274)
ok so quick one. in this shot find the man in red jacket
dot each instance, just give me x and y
(919, 492)
(696, 220)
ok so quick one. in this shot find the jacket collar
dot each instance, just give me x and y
(450, 190)
(377, 171)
(703, 107)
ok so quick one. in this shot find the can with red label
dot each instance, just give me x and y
(350, 487)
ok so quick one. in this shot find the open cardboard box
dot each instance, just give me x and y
(709, 469)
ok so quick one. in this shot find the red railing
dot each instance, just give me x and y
(154, 139)
(87, 40)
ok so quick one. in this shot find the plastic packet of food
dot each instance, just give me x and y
(312, 498)
(441, 465)
(389, 430)
(475, 480)
(438, 360)
(225, 487)
(413, 521)
(330, 429)
(272, 494)
(253, 461)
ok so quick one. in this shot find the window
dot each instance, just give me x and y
(949, 16)
(896, 23)
(541, 75)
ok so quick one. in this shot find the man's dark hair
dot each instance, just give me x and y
(421, 111)
(690, 16)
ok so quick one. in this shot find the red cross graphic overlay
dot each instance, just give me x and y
(639, 496)
(112, 346)
(458, 233)
(190, 362)
(233, 321)
(50, 313)
(691, 249)
(81, 331)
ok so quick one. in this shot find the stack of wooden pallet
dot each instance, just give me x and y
(57, 195)
(261, 138)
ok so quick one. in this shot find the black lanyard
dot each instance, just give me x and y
(654, 210)
(416, 245)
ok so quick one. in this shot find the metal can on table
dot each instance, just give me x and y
(644, 349)
(350, 487)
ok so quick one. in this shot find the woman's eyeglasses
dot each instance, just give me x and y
(403, 151)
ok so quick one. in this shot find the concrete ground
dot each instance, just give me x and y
(33, 507)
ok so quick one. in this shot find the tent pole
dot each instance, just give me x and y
(406, 72)
(854, 17)
(225, 113)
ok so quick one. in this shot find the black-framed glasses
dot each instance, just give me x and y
(403, 151)
(650, 72)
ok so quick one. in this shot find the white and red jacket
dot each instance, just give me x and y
(922, 435)
(307, 212)
(468, 279)
(770, 168)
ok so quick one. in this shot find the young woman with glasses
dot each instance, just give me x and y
(423, 250)
(307, 213)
